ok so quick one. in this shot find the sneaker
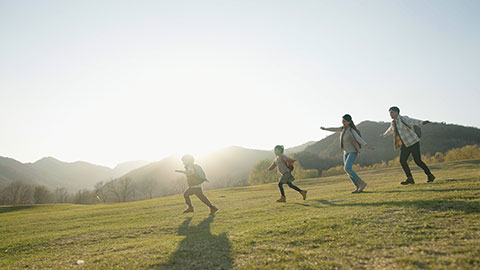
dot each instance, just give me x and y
(362, 187)
(213, 209)
(409, 181)
(304, 194)
(188, 210)
(430, 178)
(282, 199)
(355, 191)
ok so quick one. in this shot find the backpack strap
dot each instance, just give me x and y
(358, 145)
(401, 119)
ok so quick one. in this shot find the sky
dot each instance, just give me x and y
(113, 81)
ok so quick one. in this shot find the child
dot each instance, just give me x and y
(284, 165)
(195, 178)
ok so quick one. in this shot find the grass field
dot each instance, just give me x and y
(423, 226)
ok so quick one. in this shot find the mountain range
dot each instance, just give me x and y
(229, 166)
(54, 173)
(232, 163)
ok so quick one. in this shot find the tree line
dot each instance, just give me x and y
(111, 191)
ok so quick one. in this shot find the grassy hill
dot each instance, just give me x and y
(424, 226)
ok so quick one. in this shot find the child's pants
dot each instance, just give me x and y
(199, 193)
(287, 178)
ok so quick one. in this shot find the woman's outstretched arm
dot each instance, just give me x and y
(333, 129)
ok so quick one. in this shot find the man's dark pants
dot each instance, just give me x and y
(415, 151)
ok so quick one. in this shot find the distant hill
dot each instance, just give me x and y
(231, 166)
(13, 170)
(54, 173)
(163, 172)
(125, 167)
(300, 148)
(75, 175)
(224, 168)
(436, 137)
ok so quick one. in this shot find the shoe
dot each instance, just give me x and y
(304, 194)
(409, 181)
(362, 186)
(282, 199)
(188, 210)
(355, 191)
(430, 178)
(213, 209)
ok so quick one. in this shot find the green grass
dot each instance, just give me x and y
(424, 226)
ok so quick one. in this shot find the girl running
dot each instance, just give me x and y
(284, 165)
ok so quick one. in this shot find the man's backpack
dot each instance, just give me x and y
(416, 129)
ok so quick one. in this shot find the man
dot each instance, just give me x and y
(407, 139)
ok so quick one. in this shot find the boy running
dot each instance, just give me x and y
(195, 178)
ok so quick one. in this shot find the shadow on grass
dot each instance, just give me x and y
(7, 209)
(200, 249)
(433, 205)
(430, 190)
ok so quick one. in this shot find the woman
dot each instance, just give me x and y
(350, 143)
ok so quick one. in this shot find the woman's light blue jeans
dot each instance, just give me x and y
(348, 160)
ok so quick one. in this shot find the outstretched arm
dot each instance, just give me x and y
(272, 166)
(333, 129)
(186, 172)
(414, 122)
(388, 131)
(361, 141)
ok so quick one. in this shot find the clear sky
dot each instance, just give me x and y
(112, 81)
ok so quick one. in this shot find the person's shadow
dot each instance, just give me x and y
(200, 249)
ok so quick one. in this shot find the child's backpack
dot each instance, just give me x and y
(289, 164)
(197, 178)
